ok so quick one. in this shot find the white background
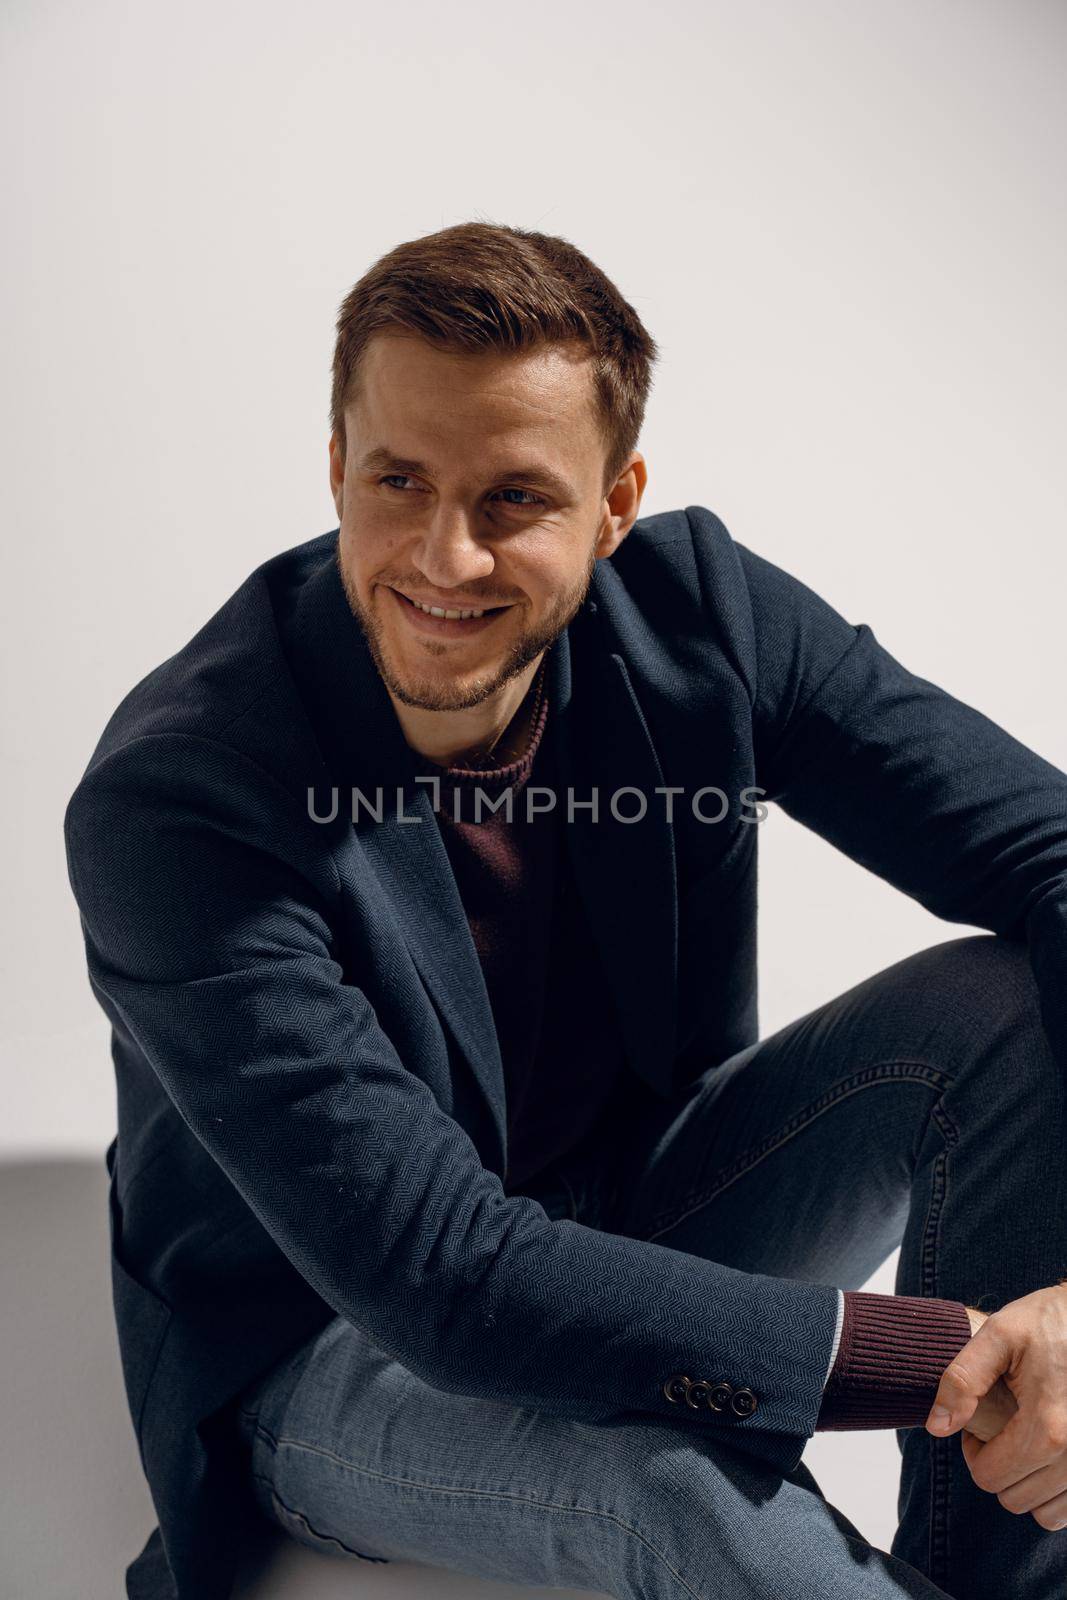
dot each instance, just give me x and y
(844, 225)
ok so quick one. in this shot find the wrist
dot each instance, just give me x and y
(975, 1318)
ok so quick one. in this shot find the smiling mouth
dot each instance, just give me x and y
(451, 613)
(454, 623)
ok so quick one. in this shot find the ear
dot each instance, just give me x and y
(622, 505)
(337, 473)
(612, 534)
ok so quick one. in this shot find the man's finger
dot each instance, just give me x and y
(1034, 1438)
(969, 1376)
(972, 1447)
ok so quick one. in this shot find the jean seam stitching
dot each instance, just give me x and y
(744, 1163)
(940, 1466)
(325, 1538)
(486, 1494)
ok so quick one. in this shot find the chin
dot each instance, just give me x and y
(428, 675)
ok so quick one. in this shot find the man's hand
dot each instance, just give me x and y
(1016, 1358)
(994, 1409)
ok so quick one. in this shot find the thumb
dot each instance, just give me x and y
(969, 1376)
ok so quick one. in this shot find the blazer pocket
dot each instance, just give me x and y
(142, 1319)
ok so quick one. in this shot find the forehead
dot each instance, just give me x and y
(431, 412)
(546, 388)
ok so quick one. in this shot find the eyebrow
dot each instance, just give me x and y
(383, 459)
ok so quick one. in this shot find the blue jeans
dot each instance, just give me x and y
(921, 1108)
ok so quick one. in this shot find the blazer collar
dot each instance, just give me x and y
(624, 871)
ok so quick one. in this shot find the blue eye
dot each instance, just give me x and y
(390, 480)
(532, 498)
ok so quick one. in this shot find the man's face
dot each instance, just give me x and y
(471, 481)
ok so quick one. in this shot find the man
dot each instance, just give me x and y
(459, 1213)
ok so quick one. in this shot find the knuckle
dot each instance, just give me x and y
(958, 1376)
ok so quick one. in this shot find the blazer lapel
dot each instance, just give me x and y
(624, 872)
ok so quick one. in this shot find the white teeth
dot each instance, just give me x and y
(436, 611)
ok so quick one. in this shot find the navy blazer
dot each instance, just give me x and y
(311, 1115)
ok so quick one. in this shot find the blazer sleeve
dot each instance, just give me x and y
(207, 901)
(912, 783)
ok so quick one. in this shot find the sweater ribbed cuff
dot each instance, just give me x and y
(893, 1350)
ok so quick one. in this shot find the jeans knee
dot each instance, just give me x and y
(987, 977)
(1004, 968)
(992, 1002)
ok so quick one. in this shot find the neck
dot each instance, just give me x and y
(490, 734)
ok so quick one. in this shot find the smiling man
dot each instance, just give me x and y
(459, 1212)
(463, 569)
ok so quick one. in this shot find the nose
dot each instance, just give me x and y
(449, 553)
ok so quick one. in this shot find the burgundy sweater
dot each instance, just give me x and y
(563, 1057)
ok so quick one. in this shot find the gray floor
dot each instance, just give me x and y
(74, 1507)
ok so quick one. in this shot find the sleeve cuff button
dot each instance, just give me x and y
(743, 1402)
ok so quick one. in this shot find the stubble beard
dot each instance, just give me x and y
(430, 694)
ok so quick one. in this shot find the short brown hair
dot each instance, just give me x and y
(480, 286)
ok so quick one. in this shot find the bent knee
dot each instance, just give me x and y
(984, 976)
(985, 995)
